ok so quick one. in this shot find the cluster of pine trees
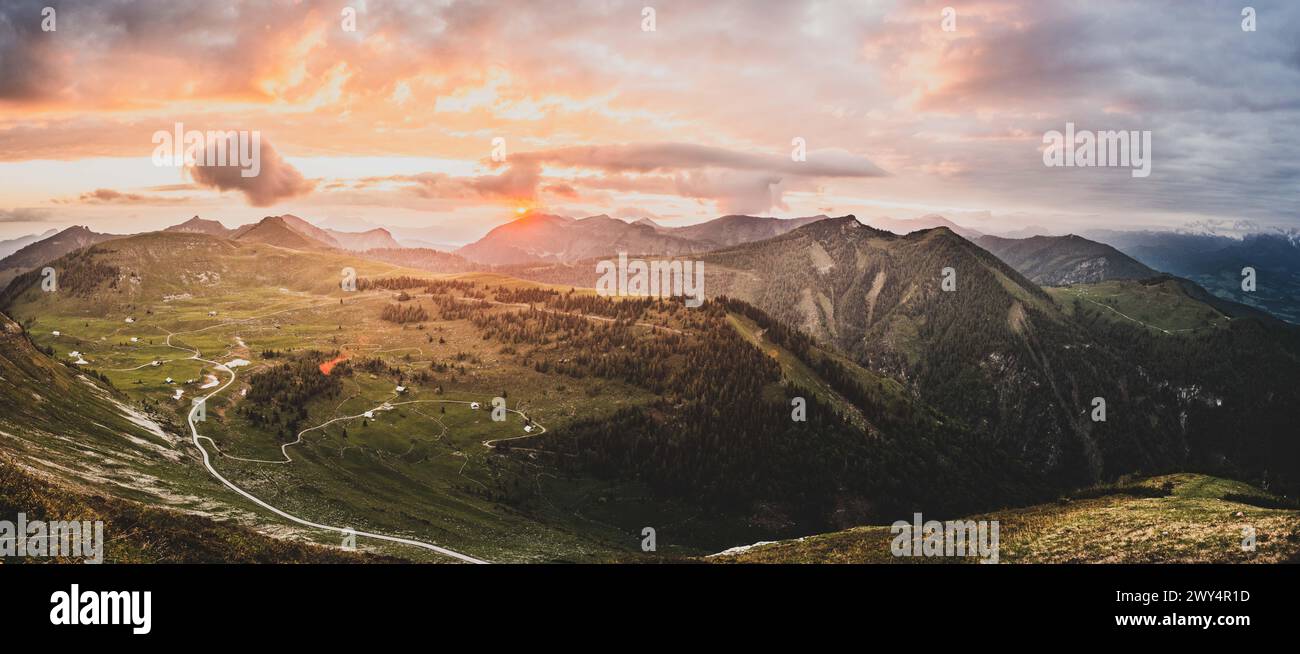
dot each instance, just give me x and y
(628, 309)
(278, 396)
(401, 283)
(446, 286)
(401, 315)
(451, 307)
(524, 295)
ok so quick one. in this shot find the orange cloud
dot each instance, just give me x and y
(110, 196)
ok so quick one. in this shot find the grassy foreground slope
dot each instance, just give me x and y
(136, 533)
(73, 449)
(1179, 518)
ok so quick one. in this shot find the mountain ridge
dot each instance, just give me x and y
(998, 352)
(12, 245)
(275, 230)
(540, 238)
(1064, 260)
(35, 254)
(197, 225)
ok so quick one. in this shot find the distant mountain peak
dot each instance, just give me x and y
(48, 249)
(927, 221)
(1028, 232)
(1064, 260)
(275, 230)
(197, 225)
(377, 238)
(538, 237)
(939, 230)
(308, 230)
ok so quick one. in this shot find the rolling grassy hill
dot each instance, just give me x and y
(1160, 304)
(1181, 518)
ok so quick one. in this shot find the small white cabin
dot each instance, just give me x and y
(401, 389)
(473, 405)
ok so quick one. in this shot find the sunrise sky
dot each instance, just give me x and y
(392, 124)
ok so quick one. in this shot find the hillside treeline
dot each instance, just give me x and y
(721, 435)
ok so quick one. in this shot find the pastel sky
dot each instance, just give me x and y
(393, 123)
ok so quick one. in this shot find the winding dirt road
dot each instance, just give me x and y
(207, 463)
